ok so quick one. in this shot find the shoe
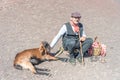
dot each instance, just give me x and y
(79, 59)
(72, 61)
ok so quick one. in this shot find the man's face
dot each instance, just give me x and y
(75, 20)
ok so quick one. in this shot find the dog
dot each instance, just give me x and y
(27, 59)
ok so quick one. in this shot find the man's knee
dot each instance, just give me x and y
(89, 40)
(70, 45)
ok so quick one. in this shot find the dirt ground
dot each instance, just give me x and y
(25, 23)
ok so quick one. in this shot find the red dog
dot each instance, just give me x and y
(24, 58)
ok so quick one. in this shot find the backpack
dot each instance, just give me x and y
(97, 49)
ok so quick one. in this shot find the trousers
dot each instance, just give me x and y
(71, 44)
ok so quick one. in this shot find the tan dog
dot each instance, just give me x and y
(23, 59)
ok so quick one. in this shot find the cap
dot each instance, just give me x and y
(75, 14)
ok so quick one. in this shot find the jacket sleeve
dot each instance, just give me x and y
(61, 32)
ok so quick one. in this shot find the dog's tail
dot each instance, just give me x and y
(17, 66)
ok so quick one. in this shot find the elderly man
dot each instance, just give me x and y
(70, 33)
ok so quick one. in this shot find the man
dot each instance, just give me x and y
(70, 33)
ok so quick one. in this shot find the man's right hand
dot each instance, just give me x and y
(82, 38)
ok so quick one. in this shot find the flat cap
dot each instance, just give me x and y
(75, 14)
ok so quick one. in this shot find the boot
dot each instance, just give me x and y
(72, 59)
(79, 58)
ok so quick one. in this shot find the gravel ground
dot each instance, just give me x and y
(25, 23)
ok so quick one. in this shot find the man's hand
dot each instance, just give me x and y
(82, 38)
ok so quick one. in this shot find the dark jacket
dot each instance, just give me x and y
(71, 34)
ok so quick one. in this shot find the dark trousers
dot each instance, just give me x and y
(72, 44)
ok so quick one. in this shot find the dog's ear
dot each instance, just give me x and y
(41, 45)
(42, 49)
(46, 46)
